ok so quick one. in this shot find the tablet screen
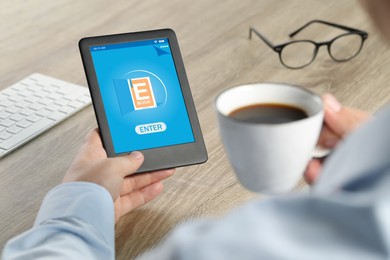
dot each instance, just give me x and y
(141, 95)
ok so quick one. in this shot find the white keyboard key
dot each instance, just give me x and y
(43, 112)
(6, 103)
(33, 118)
(24, 123)
(41, 93)
(17, 117)
(28, 82)
(53, 107)
(76, 104)
(10, 92)
(32, 99)
(12, 109)
(61, 102)
(84, 99)
(26, 112)
(16, 98)
(55, 85)
(36, 106)
(4, 135)
(67, 109)
(76, 94)
(22, 104)
(55, 96)
(65, 89)
(25, 93)
(14, 129)
(34, 87)
(18, 86)
(48, 90)
(2, 128)
(6, 122)
(45, 101)
(26, 133)
(2, 151)
(4, 114)
(57, 115)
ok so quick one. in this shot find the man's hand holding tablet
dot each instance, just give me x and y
(142, 98)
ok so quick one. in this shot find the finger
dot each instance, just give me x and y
(139, 181)
(93, 138)
(140, 197)
(342, 120)
(328, 138)
(92, 148)
(312, 171)
(125, 165)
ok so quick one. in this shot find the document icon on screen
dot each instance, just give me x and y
(142, 93)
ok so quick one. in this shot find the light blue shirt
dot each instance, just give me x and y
(346, 216)
(75, 221)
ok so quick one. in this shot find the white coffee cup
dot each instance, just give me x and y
(269, 158)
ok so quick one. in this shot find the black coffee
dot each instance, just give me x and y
(269, 113)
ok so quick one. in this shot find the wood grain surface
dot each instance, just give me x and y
(42, 36)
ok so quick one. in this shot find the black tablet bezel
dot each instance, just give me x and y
(155, 158)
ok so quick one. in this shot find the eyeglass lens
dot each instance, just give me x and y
(345, 47)
(298, 54)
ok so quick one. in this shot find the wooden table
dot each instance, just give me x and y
(42, 36)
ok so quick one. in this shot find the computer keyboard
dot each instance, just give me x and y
(34, 105)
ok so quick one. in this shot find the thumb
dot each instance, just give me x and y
(342, 120)
(126, 165)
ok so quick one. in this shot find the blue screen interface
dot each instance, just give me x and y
(141, 95)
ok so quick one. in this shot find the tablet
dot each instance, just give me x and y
(142, 99)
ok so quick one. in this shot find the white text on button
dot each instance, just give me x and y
(150, 128)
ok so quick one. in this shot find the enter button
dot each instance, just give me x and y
(150, 128)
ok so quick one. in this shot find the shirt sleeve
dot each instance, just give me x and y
(75, 221)
(346, 215)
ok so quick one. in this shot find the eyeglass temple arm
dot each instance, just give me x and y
(261, 37)
(349, 29)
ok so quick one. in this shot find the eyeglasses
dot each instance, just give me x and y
(301, 53)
